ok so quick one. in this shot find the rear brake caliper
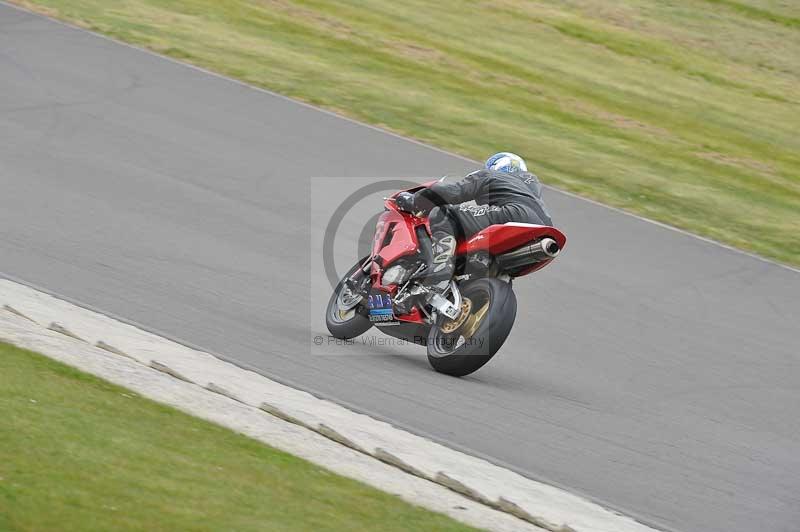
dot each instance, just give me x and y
(451, 326)
(450, 309)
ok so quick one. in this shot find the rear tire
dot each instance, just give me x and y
(345, 325)
(446, 353)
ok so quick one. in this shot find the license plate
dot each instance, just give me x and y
(380, 307)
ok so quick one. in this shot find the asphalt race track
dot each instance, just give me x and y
(649, 370)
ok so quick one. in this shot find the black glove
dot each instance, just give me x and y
(405, 202)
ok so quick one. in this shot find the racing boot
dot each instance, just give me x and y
(443, 264)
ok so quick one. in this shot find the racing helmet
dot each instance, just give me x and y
(507, 162)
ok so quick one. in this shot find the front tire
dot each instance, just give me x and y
(462, 347)
(345, 324)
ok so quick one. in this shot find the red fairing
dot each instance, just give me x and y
(415, 316)
(499, 238)
(403, 242)
(394, 237)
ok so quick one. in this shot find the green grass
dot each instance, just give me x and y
(78, 453)
(687, 111)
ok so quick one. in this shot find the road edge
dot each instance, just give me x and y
(212, 404)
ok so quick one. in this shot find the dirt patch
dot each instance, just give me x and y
(415, 51)
(615, 119)
(336, 27)
(735, 161)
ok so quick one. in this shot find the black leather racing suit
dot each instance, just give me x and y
(499, 198)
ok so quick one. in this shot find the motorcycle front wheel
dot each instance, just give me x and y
(342, 318)
(461, 346)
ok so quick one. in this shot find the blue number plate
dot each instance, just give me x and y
(380, 307)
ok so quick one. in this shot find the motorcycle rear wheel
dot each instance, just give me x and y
(345, 324)
(462, 347)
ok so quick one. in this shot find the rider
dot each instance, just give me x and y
(503, 192)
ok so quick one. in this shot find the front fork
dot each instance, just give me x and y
(354, 288)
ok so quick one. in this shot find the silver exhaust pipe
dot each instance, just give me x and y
(544, 249)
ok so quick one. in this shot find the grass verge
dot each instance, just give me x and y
(686, 112)
(78, 453)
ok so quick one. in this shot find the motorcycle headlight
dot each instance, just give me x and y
(394, 275)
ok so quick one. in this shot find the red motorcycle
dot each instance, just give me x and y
(465, 324)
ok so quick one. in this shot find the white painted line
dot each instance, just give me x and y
(538, 503)
(253, 423)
